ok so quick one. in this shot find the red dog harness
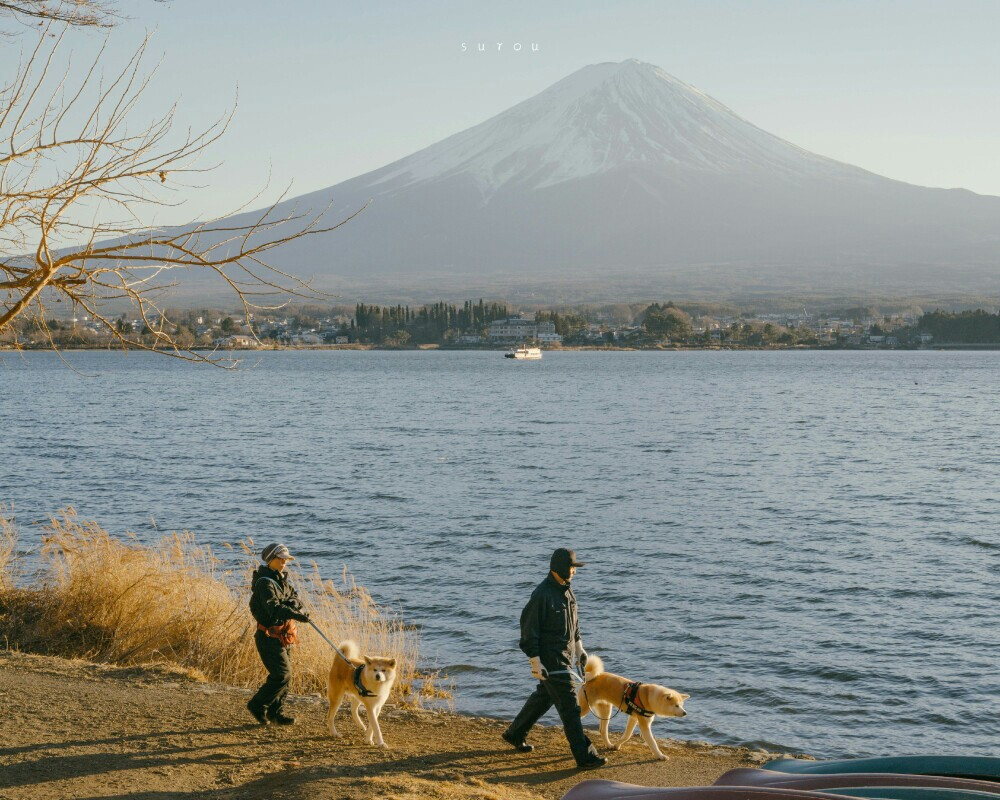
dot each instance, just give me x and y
(630, 699)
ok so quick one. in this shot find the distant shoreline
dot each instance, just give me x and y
(503, 349)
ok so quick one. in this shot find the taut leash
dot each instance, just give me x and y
(573, 676)
(332, 645)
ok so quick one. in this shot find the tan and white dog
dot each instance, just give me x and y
(603, 692)
(366, 682)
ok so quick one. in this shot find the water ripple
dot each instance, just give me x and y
(806, 543)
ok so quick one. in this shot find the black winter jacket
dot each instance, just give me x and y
(274, 601)
(550, 628)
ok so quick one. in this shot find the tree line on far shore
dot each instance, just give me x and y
(645, 325)
(429, 324)
(961, 327)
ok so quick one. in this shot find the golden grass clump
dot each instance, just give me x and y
(350, 612)
(119, 601)
(8, 540)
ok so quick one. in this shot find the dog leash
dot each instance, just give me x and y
(572, 675)
(315, 627)
(335, 648)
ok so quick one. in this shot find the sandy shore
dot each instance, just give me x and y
(73, 729)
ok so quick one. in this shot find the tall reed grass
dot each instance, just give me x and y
(119, 601)
(8, 541)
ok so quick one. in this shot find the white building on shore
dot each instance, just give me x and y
(520, 328)
(238, 341)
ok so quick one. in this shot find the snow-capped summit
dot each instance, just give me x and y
(624, 175)
(602, 117)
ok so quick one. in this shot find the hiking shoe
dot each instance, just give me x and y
(258, 713)
(592, 761)
(280, 718)
(518, 744)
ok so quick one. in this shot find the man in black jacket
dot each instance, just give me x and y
(273, 602)
(550, 638)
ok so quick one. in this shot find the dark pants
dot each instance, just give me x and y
(555, 691)
(278, 664)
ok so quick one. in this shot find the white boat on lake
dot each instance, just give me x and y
(525, 352)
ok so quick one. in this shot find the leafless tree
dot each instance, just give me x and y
(76, 181)
(81, 13)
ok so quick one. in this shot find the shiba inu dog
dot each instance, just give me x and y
(603, 692)
(366, 682)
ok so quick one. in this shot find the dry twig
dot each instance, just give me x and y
(75, 175)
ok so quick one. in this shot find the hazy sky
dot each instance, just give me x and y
(330, 90)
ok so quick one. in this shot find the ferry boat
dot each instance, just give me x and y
(525, 352)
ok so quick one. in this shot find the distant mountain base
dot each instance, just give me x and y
(711, 283)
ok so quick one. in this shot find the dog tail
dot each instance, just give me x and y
(594, 668)
(350, 649)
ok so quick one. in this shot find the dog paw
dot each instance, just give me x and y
(662, 757)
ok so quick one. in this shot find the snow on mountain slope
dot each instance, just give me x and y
(621, 169)
(602, 117)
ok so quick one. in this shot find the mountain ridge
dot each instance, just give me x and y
(621, 167)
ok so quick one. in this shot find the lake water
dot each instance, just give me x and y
(805, 542)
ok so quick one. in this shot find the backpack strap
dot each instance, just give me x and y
(265, 578)
(256, 583)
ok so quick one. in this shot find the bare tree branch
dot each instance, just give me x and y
(80, 13)
(75, 181)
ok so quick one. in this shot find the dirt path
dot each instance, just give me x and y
(72, 729)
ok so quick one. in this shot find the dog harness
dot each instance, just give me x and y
(630, 699)
(363, 690)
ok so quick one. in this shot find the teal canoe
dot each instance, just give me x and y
(982, 768)
(842, 782)
(908, 793)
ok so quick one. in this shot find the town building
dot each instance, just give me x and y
(522, 327)
(238, 341)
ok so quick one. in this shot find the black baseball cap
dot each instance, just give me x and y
(562, 559)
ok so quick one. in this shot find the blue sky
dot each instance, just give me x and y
(329, 90)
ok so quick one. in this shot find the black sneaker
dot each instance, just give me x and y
(280, 718)
(592, 761)
(518, 744)
(258, 713)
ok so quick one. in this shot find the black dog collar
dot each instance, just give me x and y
(362, 689)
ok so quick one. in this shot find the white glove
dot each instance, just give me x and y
(538, 672)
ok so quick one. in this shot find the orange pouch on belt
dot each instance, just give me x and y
(286, 632)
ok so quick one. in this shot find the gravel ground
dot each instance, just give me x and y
(73, 729)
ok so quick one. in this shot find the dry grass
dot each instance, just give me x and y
(119, 601)
(8, 540)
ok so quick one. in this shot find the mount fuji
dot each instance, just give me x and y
(622, 175)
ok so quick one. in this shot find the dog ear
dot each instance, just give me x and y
(392, 663)
(368, 661)
(685, 696)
